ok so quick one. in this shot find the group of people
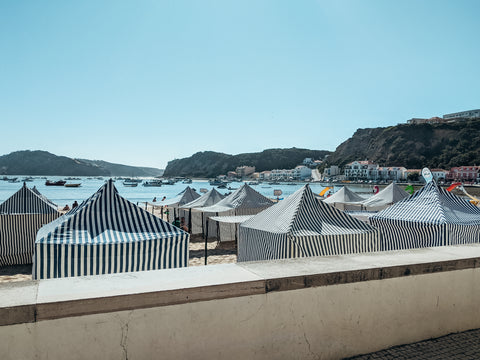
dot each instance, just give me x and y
(180, 223)
(67, 208)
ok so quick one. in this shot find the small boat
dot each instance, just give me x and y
(55, 183)
(222, 186)
(187, 181)
(130, 183)
(153, 183)
(168, 182)
(73, 185)
(231, 188)
(217, 183)
(27, 179)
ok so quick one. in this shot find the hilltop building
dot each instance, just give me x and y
(448, 118)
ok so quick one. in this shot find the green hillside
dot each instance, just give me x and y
(211, 164)
(413, 146)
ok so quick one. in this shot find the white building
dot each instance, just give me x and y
(392, 173)
(333, 170)
(439, 174)
(469, 114)
(361, 170)
(301, 172)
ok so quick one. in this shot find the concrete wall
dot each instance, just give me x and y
(311, 308)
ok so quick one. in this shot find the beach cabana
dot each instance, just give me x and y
(301, 226)
(345, 199)
(195, 218)
(184, 197)
(383, 199)
(430, 217)
(21, 216)
(107, 234)
(243, 201)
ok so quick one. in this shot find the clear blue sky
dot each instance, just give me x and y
(144, 82)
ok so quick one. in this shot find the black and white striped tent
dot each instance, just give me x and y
(195, 218)
(301, 226)
(184, 197)
(107, 234)
(430, 217)
(243, 201)
(21, 216)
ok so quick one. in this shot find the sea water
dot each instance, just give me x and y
(62, 196)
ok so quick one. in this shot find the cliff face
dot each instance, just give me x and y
(414, 146)
(44, 163)
(211, 164)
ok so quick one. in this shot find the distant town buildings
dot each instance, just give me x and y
(464, 173)
(244, 171)
(448, 118)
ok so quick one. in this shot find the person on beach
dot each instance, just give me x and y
(75, 204)
(164, 198)
(154, 199)
(183, 226)
(176, 222)
(66, 208)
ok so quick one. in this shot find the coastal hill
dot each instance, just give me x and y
(413, 146)
(38, 162)
(211, 164)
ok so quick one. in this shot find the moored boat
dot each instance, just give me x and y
(73, 185)
(55, 183)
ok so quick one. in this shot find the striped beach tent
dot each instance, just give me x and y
(243, 201)
(195, 218)
(107, 234)
(21, 216)
(184, 197)
(430, 217)
(302, 226)
(345, 199)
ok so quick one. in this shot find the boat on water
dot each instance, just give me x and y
(217, 182)
(73, 185)
(222, 186)
(55, 183)
(153, 183)
(130, 183)
(187, 181)
(168, 182)
(27, 179)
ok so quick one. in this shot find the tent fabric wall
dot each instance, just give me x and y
(302, 226)
(107, 234)
(21, 216)
(430, 217)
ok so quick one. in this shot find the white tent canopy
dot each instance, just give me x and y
(388, 196)
(195, 218)
(345, 199)
(302, 226)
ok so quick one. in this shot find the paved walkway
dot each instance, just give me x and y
(465, 345)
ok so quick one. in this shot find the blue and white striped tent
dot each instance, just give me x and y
(184, 197)
(243, 201)
(301, 226)
(107, 234)
(197, 224)
(430, 217)
(21, 216)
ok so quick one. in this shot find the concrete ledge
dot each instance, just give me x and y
(27, 302)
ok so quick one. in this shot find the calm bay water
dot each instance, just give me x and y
(63, 195)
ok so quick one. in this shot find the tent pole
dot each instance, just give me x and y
(203, 226)
(161, 212)
(218, 228)
(190, 220)
(206, 242)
